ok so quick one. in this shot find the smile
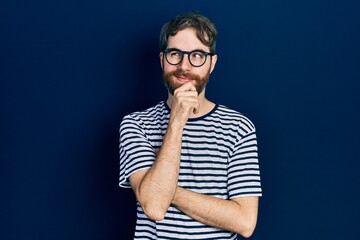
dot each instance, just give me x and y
(183, 79)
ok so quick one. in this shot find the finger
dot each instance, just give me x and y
(186, 87)
(197, 108)
(192, 94)
(191, 103)
(188, 100)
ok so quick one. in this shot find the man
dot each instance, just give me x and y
(192, 163)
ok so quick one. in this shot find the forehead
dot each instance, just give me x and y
(186, 40)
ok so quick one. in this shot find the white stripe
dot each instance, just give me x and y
(218, 149)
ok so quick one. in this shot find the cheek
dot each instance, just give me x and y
(203, 71)
(168, 68)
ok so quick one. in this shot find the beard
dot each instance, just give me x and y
(171, 85)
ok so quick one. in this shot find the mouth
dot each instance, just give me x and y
(183, 78)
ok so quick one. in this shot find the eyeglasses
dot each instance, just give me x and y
(197, 58)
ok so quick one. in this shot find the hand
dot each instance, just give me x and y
(184, 103)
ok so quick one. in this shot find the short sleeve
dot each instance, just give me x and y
(243, 170)
(135, 150)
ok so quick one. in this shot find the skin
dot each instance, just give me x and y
(156, 188)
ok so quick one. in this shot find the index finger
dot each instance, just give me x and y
(187, 87)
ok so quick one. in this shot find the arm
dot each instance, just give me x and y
(155, 187)
(239, 214)
(236, 215)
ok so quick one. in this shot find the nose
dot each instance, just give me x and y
(185, 63)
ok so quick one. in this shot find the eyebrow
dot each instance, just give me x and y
(200, 50)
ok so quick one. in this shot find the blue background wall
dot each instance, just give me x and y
(71, 69)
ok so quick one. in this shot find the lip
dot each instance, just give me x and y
(183, 79)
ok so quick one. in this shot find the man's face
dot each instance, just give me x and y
(176, 75)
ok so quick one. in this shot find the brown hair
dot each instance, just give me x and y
(205, 29)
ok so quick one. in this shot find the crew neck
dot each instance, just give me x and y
(196, 118)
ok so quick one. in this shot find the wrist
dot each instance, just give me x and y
(175, 125)
(177, 193)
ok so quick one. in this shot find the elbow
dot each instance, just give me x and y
(153, 206)
(247, 233)
(155, 213)
(246, 230)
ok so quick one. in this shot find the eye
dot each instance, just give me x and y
(175, 54)
(197, 55)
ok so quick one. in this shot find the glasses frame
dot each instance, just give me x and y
(165, 51)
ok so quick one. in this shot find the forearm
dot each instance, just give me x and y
(157, 187)
(216, 212)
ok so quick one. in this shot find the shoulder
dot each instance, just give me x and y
(147, 118)
(148, 114)
(235, 117)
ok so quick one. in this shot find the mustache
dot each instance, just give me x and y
(181, 73)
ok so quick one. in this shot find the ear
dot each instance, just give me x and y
(213, 62)
(161, 55)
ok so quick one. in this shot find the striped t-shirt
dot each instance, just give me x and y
(218, 158)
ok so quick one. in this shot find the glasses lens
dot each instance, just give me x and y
(174, 56)
(197, 58)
